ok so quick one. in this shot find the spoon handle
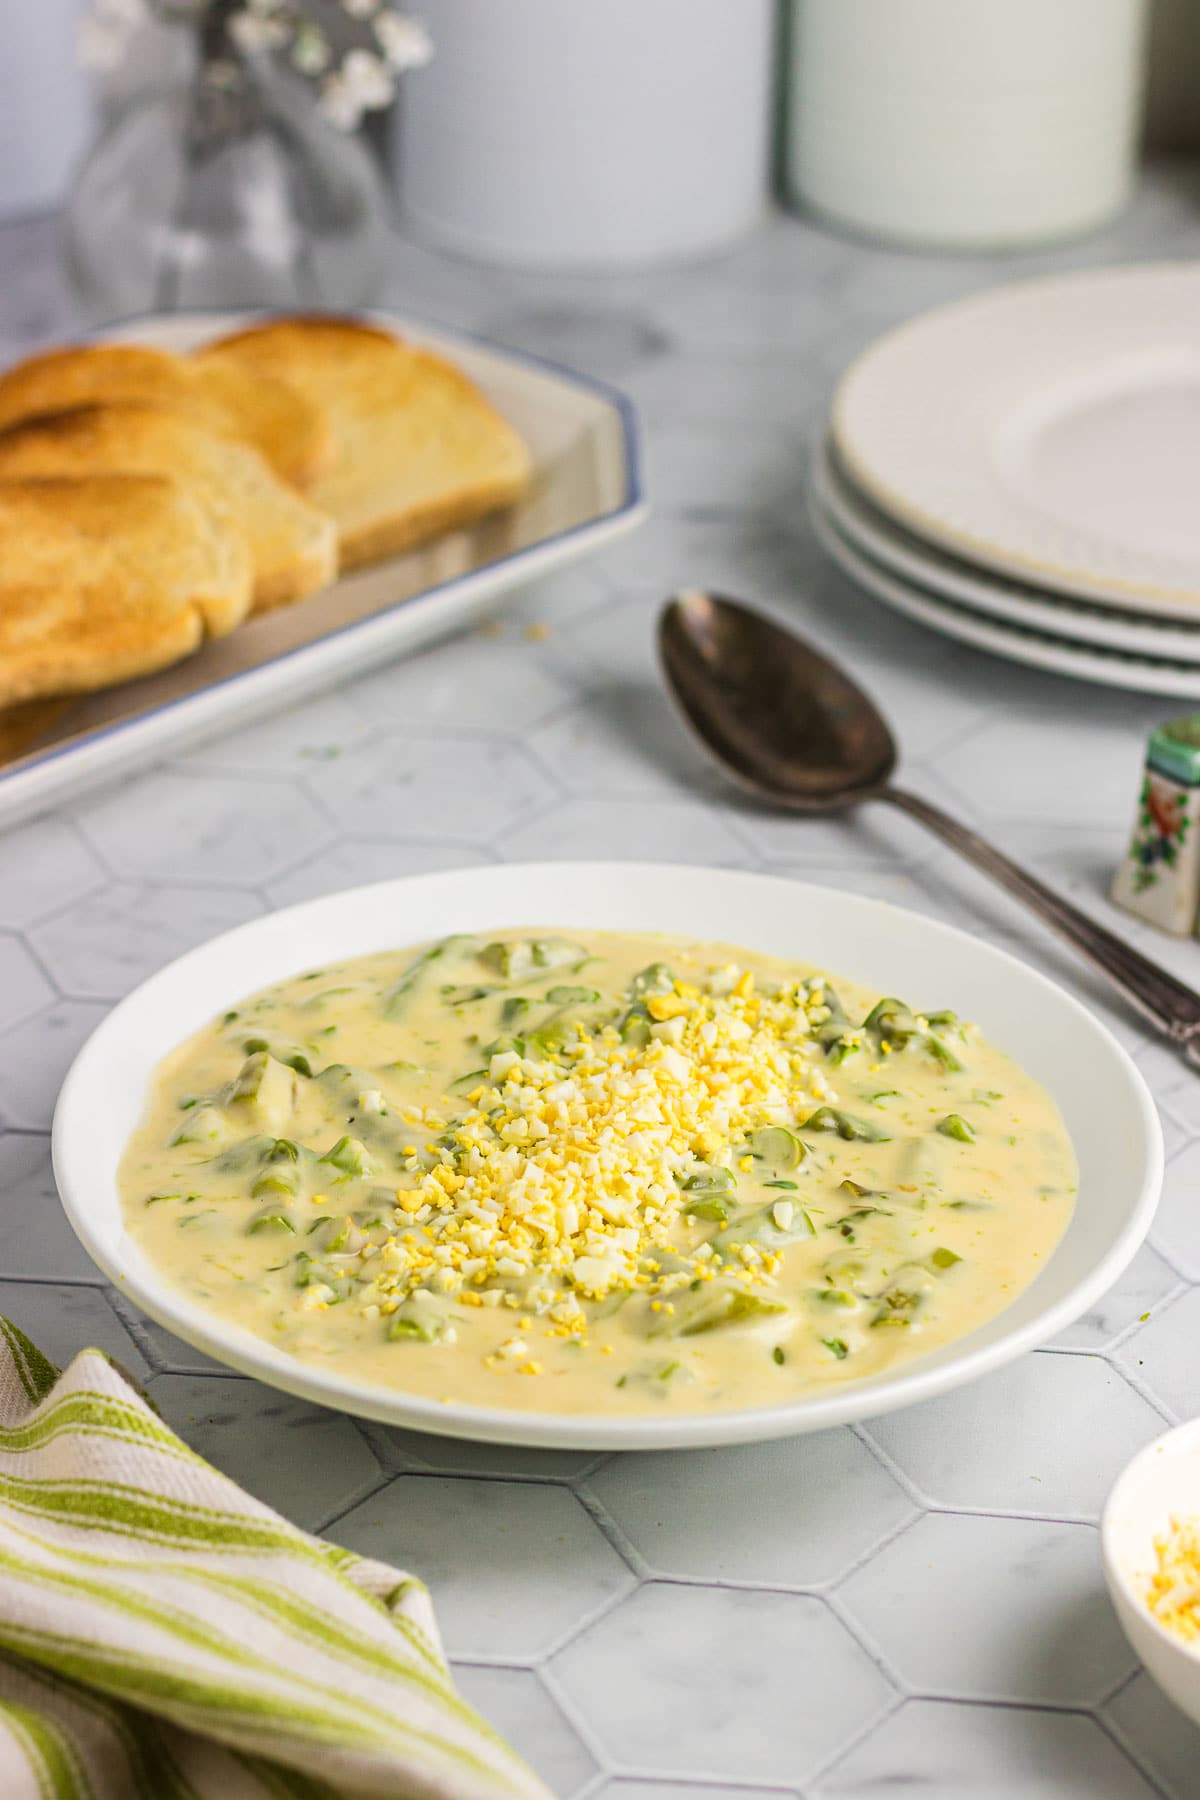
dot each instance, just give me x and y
(1168, 1004)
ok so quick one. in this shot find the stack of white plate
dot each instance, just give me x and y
(1021, 470)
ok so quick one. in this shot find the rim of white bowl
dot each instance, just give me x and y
(1115, 1572)
(238, 1348)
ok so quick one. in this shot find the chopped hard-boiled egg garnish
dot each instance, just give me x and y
(573, 1165)
(1173, 1595)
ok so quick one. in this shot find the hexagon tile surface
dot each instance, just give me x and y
(517, 1566)
(1008, 1609)
(261, 1438)
(676, 1513)
(910, 1608)
(746, 1685)
(985, 1753)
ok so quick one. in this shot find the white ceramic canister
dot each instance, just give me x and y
(46, 104)
(978, 124)
(588, 133)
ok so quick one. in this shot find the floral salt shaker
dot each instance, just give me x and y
(1159, 878)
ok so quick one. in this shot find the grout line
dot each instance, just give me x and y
(1118, 1687)
(1153, 1312)
(594, 1784)
(903, 1480)
(1132, 1755)
(427, 1471)
(366, 1492)
(857, 1631)
(957, 1510)
(867, 1731)
(837, 1582)
(24, 940)
(585, 1621)
(900, 1476)
(614, 1536)
(1145, 1392)
(174, 1372)
(1170, 1257)
(135, 1324)
(97, 1283)
(600, 1461)
(579, 1725)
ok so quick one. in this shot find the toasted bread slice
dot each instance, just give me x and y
(290, 431)
(419, 448)
(103, 577)
(82, 372)
(293, 545)
(287, 427)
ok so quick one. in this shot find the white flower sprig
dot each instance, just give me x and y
(362, 81)
(105, 30)
(365, 79)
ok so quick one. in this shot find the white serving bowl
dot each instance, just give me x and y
(1104, 1101)
(1162, 1480)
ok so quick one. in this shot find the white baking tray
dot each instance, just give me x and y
(586, 489)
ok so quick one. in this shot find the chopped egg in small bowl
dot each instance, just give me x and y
(1150, 1536)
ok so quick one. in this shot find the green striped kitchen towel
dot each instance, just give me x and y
(165, 1637)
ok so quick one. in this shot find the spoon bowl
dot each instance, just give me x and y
(781, 718)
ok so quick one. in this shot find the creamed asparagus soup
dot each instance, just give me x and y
(587, 1171)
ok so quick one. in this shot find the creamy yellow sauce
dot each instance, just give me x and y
(596, 1172)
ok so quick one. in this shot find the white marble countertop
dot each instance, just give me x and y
(913, 1607)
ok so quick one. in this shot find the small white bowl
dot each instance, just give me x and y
(1162, 1481)
(1105, 1104)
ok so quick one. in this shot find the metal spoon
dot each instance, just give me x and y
(790, 726)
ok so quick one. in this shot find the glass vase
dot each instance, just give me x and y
(226, 190)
